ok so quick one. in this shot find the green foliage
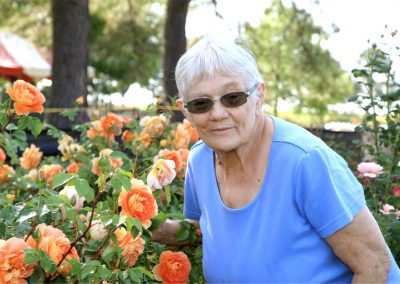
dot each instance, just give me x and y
(287, 45)
(379, 93)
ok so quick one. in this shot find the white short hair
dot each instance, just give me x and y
(212, 55)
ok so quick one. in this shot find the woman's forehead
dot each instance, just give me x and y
(216, 84)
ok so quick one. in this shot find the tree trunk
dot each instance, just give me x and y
(70, 58)
(175, 46)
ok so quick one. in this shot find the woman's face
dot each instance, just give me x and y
(222, 128)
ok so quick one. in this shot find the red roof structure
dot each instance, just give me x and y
(20, 59)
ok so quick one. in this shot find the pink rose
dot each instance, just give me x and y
(369, 169)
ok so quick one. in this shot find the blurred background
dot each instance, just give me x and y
(91, 56)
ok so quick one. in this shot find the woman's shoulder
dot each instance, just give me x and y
(293, 135)
(200, 151)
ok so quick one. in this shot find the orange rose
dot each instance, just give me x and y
(131, 248)
(163, 143)
(138, 203)
(145, 139)
(162, 174)
(171, 155)
(12, 261)
(174, 267)
(194, 135)
(27, 98)
(95, 130)
(127, 136)
(54, 243)
(105, 153)
(111, 124)
(47, 172)
(184, 152)
(6, 172)
(182, 137)
(31, 158)
(73, 168)
(154, 125)
(2, 156)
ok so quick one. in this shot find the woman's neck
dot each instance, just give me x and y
(245, 158)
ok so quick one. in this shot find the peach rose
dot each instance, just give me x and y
(27, 98)
(2, 156)
(73, 168)
(105, 153)
(111, 124)
(31, 157)
(6, 172)
(138, 203)
(145, 139)
(54, 243)
(32, 175)
(194, 135)
(369, 169)
(154, 125)
(70, 192)
(162, 174)
(184, 155)
(174, 267)
(97, 230)
(182, 137)
(12, 261)
(171, 155)
(47, 172)
(131, 247)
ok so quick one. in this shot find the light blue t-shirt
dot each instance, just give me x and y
(307, 195)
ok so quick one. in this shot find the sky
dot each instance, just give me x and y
(357, 20)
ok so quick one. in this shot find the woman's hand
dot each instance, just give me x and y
(166, 232)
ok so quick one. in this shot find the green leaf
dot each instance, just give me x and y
(35, 125)
(3, 228)
(27, 216)
(168, 193)
(117, 154)
(115, 183)
(31, 256)
(11, 126)
(89, 269)
(20, 135)
(84, 190)
(135, 274)
(125, 181)
(61, 179)
(104, 273)
(23, 122)
(359, 73)
(3, 119)
(184, 231)
(47, 264)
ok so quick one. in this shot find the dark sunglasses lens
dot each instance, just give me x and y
(199, 105)
(234, 99)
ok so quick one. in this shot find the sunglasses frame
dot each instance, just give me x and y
(218, 98)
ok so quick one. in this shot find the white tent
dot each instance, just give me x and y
(19, 58)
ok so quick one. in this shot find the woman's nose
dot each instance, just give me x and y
(218, 111)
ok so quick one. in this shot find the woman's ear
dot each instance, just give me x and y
(179, 104)
(260, 94)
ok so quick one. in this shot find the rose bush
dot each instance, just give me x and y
(87, 214)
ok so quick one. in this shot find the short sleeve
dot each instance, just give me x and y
(328, 194)
(191, 209)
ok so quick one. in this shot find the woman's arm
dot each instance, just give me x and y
(362, 247)
(166, 232)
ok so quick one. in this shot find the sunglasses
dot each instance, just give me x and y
(231, 100)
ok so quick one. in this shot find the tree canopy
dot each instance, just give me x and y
(287, 45)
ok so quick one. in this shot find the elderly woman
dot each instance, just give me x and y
(274, 203)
